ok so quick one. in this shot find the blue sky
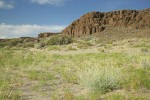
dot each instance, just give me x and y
(30, 17)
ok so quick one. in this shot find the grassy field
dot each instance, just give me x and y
(86, 69)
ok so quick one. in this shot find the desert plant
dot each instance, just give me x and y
(40, 45)
(144, 50)
(145, 64)
(10, 95)
(29, 44)
(71, 48)
(68, 95)
(59, 40)
(101, 79)
(54, 48)
(137, 78)
(39, 75)
(116, 97)
(69, 74)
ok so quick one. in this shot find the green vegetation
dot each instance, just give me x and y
(103, 79)
(39, 75)
(58, 40)
(114, 71)
(37, 43)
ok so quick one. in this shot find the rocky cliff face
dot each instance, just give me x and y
(96, 22)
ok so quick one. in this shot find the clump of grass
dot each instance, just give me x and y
(143, 76)
(101, 50)
(80, 97)
(101, 79)
(138, 78)
(143, 44)
(123, 96)
(39, 45)
(14, 42)
(84, 44)
(69, 74)
(144, 49)
(71, 48)
(68, 95)
(10, 95)
(39, 75)
(116, 96)
(9, 82)
(28, 44)
(145, 64)
(54, 48)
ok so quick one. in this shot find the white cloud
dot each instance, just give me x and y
(51, 2)
(4, 5)
(11, 31)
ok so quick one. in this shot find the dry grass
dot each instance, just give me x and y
(59, 74)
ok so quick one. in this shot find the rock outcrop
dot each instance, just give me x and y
(46, 34)
(96, 22)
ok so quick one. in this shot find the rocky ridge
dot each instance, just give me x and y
(46, 34)
(96, 22)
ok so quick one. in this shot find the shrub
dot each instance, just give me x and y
(138, 78)
(71, 48)
(101, 79)
(10, 95)
(69, 75)
(143, 77)
(14, 42)
(40, 45)
(84, 44)
(116, 97)
(145, 64)
(144, 50)
(59, 40)
(68, 95)
(125, 96)
(54, 48)
(29, 44)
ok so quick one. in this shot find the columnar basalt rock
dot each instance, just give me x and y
(96, 22)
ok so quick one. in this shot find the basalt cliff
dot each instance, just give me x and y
(96, 22)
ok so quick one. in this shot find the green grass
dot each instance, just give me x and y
(139, 78)
(119, 96)
(56, 48)
(103, 79)
(102, 72)
(10, 95)
(39, 75)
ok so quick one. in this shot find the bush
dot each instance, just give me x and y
(40, 45)
(101, 79)
(139, 79)
(29, 44)
(14, 42)
(54, 48)
(59, 40)
(69, 75)
(71, 48)
(84, 44)
(144, 50)
(10, 43)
